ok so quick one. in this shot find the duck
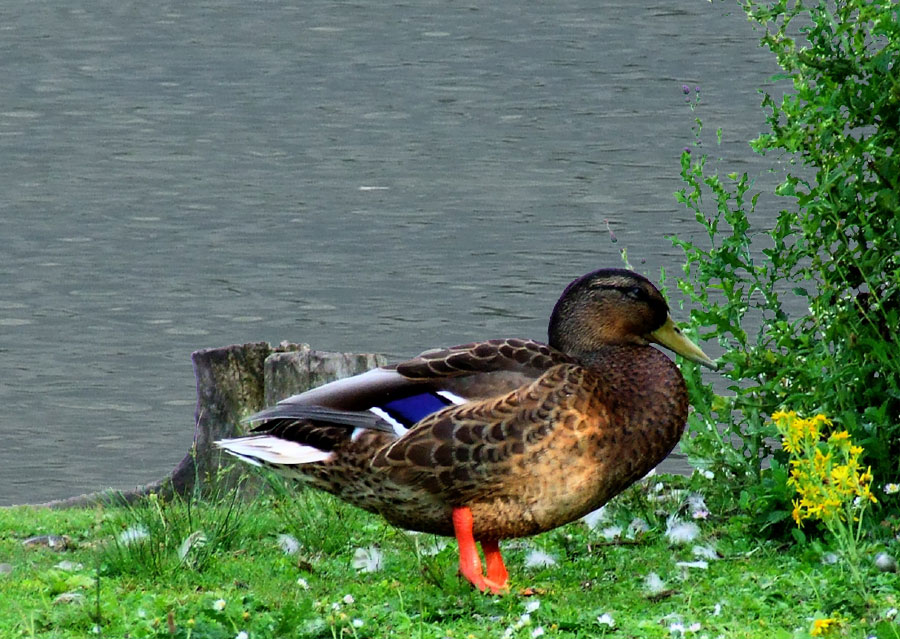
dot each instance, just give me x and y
(496, 439)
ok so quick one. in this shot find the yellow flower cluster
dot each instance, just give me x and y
(825, 472)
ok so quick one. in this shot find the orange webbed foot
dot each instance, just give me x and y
(469, 561)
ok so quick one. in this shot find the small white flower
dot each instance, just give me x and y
(539, 559)
(681, 532)
(537, 632)
(704, 552)
(357, 623)
(676, 627)
(606, 620)
(891, 489)
(701, 564)
(708, 474)
(348, 599)
(532, 605)
(890, 613)
(336, 606)
(219, 604)
(133, 535)
(303, 583)
(694, 627)
(611, 532)
(368, 559)
(288, 544)
(654, 584)
(96, 629)
(595, 518)
(717, 610)
(242, 635)
(830, 558)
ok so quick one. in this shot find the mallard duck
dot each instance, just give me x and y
(496, 439)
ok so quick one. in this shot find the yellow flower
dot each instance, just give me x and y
(797, 513)
(822, 626)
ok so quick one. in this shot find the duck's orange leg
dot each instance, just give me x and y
(496, 571)
(470, 562)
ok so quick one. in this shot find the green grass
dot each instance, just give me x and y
(235, 577)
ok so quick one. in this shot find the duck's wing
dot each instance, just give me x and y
(409, 391)
(471, 451)
(393, 398)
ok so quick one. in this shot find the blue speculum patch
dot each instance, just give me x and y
(410, 410)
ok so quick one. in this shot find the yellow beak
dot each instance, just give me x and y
(670, 336)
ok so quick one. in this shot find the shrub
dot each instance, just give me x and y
(835, 246)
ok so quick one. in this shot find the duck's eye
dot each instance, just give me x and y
(635, 292)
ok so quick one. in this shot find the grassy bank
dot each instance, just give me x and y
(304, 565)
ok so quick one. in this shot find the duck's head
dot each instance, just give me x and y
(616, 306)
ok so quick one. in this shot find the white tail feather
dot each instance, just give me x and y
(272, 450)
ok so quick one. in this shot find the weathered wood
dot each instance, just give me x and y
(294, 371)
(232, 383)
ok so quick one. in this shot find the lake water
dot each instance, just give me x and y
(361, 176)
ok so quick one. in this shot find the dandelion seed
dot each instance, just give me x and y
(368, 559)
(638, 526)
(606, 620)
(706, 552)
(219, 604)
(288, 544)
(885, 563)
(133, 535)
(681, 532)
(701, 564)
(830, 558)
(611, 532)
(196, 539)
(595, 518)
(242, 635)
(433, 548)
(358, 623)
(653, 584)
(539, 559)
(348, 599)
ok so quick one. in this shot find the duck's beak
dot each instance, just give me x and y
(670, 336)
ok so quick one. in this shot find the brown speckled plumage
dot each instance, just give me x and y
(547, 433)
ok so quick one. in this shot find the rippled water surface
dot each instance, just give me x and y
(361, 176)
